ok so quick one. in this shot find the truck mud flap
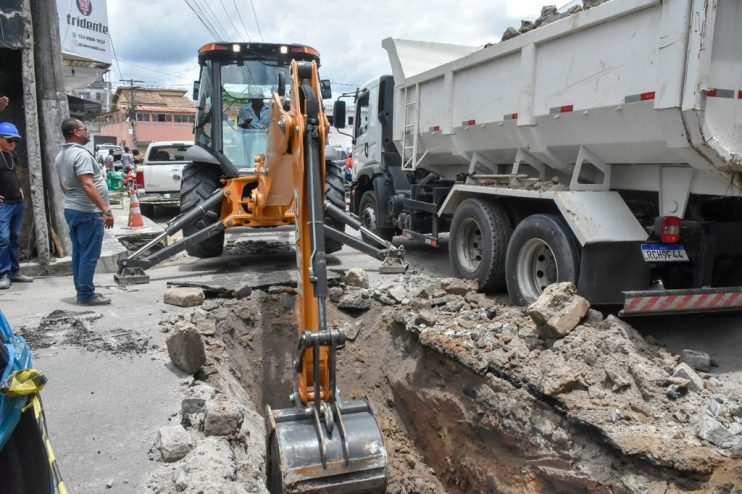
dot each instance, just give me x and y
(687, 301)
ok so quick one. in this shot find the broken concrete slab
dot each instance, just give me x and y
(222, 417)
(186, 349)
(699, 361)
(235, 285)
(354, 301)
(184, 297)
(558, 310)
(357, 277)
(458, 286)
(711, 430)
(684, 371)
(173, 442)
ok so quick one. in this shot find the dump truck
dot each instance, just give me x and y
(603, 149)
(258, 160)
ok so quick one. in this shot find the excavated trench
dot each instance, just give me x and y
(446, 427)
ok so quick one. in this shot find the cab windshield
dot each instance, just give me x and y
(246, 89)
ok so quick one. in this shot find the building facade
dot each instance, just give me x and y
(139, 116)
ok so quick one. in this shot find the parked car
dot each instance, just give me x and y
(159, 175)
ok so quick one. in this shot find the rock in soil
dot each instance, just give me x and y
(186, 349)
(173, 443)
(558, 310)
(184, 297)
(222, 417)
(357, 277)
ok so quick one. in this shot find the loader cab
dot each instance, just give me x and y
(233, 97)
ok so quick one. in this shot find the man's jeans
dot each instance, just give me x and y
(86, 233)
(11, 217)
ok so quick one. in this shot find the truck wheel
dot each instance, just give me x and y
(369, 214)
(543, 250)
(198, 183)
(478, 241)
(335, 193)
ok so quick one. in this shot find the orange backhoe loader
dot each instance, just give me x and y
(259, 160)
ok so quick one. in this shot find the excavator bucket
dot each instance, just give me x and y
(304, 457)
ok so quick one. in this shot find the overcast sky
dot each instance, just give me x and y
(157, 42)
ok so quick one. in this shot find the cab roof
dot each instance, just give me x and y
(283, 53)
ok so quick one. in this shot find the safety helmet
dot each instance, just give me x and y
(7, 129)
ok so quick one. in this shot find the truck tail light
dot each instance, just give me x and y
(670, 229)
(140, 180)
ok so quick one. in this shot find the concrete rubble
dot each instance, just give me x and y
(453, 373)
(186, 349)
(184, 296)
(549, 14)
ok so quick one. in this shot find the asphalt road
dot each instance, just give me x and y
(104, 408)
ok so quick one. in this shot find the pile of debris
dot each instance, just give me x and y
(471, 393)
(639, 398)
(549, 14)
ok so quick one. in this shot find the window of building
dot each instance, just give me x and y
(185, 118)
(161, 117)
(142, 117)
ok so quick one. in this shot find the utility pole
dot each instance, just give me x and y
(46, 65)
(132, 111)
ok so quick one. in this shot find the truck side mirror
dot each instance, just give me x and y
(338, 114)
(196, 87)
(325, 89)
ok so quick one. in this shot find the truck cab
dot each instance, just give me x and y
(159, 175)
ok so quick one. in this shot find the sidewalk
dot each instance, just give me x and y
(113, 248)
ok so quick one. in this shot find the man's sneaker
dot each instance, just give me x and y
(96, 299)
(20, 278)
(4, 282)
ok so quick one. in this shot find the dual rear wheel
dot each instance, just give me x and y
(483, 245)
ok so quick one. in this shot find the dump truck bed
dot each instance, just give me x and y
(638, 83)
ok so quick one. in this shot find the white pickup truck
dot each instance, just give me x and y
(158, 177)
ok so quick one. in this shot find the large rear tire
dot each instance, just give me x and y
(198, 184)
(543, 250)
(368, 210)
(478, 240)
(335, 193)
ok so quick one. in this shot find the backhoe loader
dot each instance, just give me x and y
(321, 444)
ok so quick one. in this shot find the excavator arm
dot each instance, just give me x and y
(322, 444)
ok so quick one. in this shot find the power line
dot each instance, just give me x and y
(236, 31)
(154, 70)
(223, 33)
(113, 49)
(255, 15)
(208, 27)
(244, 27)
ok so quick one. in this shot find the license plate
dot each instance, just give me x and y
(167, 196)
(664, 253)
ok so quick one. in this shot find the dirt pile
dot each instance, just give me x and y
(671, 427)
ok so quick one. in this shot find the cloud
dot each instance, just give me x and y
(164, 36)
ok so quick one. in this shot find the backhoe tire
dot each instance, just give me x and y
(478, 241)
(368, 211)
(198, 184)
(335, 194)
(543, 250)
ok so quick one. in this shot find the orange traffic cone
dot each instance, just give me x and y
(135, 216)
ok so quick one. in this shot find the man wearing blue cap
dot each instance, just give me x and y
(11, 208)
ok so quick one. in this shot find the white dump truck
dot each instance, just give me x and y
(604, 149)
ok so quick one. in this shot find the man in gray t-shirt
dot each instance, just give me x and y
(127, 158)
(86, 208)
